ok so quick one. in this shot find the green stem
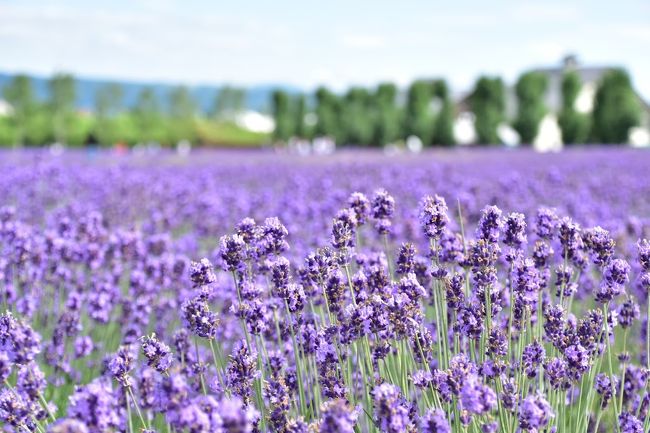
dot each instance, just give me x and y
(137, 407)
(296, 357)
(609, 360)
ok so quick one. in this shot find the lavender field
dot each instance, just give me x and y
(453, 291)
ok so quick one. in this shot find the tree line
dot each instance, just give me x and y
(371, 117)
(152, 118)
(380, 116)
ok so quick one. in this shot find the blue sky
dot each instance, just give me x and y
(307, 43)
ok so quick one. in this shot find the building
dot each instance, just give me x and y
(550, 137)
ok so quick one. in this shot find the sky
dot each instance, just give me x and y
(337, 43)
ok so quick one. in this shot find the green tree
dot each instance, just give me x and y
(574, 125)
(418, 119)
(62, 100)
(182, 109)
(148, 118)
(530, 90)
(181, 103)
(284, 127)
(239, 100)
(39, 126)
(616, 108)
(300, 113)
(387, 115)
(356, 118)
(327, 113)
(443, 126)
(229, 100)
(108, 104)
(488, 105)
(79, 130)
(19, 93)
(7, 131)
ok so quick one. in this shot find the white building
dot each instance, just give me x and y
(5, 108)
(549, 137)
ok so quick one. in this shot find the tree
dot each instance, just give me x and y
(443, 126)
(148, 118)
(239, 100)
(387, 115)
(229, 100)
(327, 113)
(39, 126)
(616, 108)
(530, 90)
(62, 100)
(300, 113)
(7, 131)
(182, 110)
(19, 93)
(181, 103)
(281, 115)
(574, 125)
(108, 103)
(488, 105)
(356, 121)
(417, 116)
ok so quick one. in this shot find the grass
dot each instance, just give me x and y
(225, 133)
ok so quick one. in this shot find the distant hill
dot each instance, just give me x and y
(257, 98)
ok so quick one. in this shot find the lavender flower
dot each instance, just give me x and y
(16, 411)
(95, 405)
(237, 417)
(337, 417)
(360, 204)
(628, 312)
(158, 354)
(555, 371)
(68, 425)
(121, 364)
(643, 247)
(343, 229)
(532, 357)
(600, 243)
(273, 239)
(476, 397)
(18, 340)
(5, 367)
(546, 223)
(201, 273)
(433, 216)
(616, 272)
(515, 230)
(628, 423)
(383, 208)
(406, 259)
(198, 318)
(490, 225)
(242, 370)
(607, 387)
(391, 411)
(31, 381)
(534, 413)
(434, 421)
(232, 252)
(83, 346)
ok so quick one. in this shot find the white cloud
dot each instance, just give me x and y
(546, 11)
(195, 42)
(637, 33)
(362, 41)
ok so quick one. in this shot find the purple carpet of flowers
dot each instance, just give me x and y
(232, 292)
